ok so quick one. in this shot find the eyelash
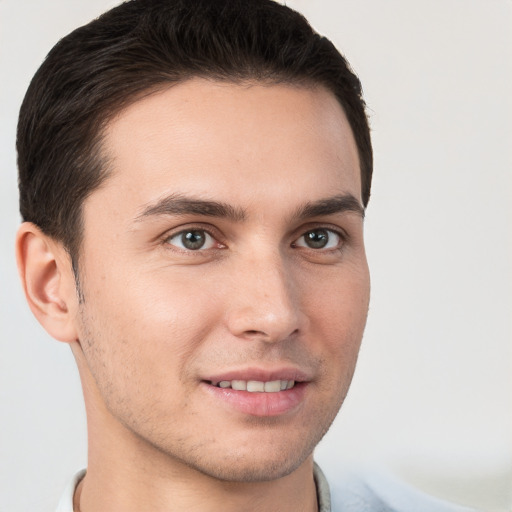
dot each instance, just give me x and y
(321, 227)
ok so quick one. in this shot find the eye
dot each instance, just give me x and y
(192, 240)
(320, 238)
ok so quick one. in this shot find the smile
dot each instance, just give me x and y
(258, 397)
(256, 386)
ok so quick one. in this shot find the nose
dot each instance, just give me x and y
(265, 300)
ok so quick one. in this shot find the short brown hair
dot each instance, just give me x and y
(141, 45)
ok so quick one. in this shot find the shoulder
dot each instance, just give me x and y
(377, 491)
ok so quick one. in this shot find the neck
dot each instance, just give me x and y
(112, 487)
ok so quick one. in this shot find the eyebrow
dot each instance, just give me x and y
(330, 206)
(177, 204)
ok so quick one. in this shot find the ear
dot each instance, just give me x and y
(47, 277)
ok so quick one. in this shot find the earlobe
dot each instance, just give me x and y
(47, 278)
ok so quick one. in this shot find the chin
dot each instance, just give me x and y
(249, 469)
(254, 460)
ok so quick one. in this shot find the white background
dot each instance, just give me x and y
(432, 396)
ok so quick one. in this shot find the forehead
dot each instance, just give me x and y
(232, 140)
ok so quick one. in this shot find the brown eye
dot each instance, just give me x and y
(319, 239)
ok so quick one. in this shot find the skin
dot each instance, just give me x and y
(157, 319)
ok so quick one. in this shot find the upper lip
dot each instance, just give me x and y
(260, 374)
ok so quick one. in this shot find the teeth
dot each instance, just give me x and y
(273, 386)
(256, 386)
(239, 385)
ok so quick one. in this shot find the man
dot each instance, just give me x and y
(193, 181)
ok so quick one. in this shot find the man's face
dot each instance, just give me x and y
(225, 248)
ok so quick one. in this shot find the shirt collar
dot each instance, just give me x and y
(322, 490)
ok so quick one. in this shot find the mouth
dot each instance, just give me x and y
(254, 386)
(259, 392)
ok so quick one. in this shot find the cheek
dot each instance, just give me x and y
(338, 312)
(148, 300)
(339, 301)
(139, 327)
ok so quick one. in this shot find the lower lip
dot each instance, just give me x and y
(260, 404)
